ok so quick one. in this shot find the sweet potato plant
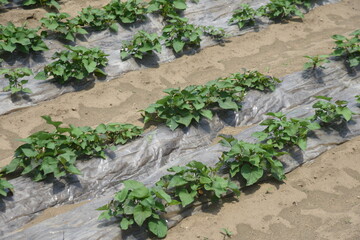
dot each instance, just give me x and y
(62, 24)
(327, 112)
(21, 39)
(281, 132)
(143, 43)
(47, 3)
(55, 153)
(13, 76)
(348, 48)
(76, 63)
(178, 34)
(251, 161)
(5, 187)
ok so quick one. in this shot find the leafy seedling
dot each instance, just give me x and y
(13, 76)
(76, 63)
(357, 97)
(348, 48)
(97, 19)
(218, 34)
(280, 9)
(167, 8)
(179, 34)
(316, 61)
(5, 187)
(251, 160)
(195, 180)
(20, 39)
(48, 3)
(55, 153)
(129, 11)
(245, 16)
(250, 80)
(226, 232)
(303, 3)
(138, 205)
(281, 132)
(143, 43)
(328, 112)
(3, 2)
(182, 107)
(62, 24)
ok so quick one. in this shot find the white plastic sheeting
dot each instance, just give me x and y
(206, 12)
(147, 158)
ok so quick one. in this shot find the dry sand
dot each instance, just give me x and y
(317, 201)
(277, 50)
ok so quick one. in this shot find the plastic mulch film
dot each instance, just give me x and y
(209, 12)
(147, 158)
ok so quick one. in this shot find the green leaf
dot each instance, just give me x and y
(323, 98)
(158, 227)
(48, 120)
(2, 192)
(141, 213)
(186, 120)
(101, 128)
(140, 192)
(13, 165)
(72, 169)
(49, 165)
(277, 170)
(181, 5)
(354, 62)
(114, 27)
(314, 126)
(102, 208)
(160, 193)
(124, 55)
(206, 113)
(172, 124)
(125, 223)
(185, 197)
(251, 174)
(89, 66)
(105, 215)
(345, 112)
(41, 76)
(29, 152)
(338, 37)
(177, 181)
(302, 143)
(178, 45)
(260, 135)
(204, 180)
(228, 104)
(132, 184)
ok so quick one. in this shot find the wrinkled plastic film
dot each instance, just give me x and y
(209, 12)
(146, 159)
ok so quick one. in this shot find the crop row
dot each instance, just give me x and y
(138, 205)
(177, 34)
(34, 3)
(79, 62)
(55, 153)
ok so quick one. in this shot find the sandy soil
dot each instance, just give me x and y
(317, 201)
(320, 200)
(32, 16)
(277, 50)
